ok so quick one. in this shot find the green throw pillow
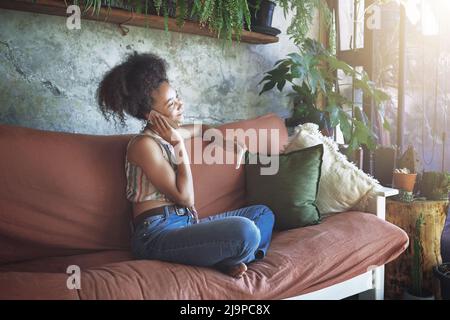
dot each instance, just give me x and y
(291, 192)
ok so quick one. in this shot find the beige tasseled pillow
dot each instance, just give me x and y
(342, 186)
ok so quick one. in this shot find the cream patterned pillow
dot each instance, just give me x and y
(342, 186)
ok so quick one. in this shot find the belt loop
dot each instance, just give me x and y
(166, 212)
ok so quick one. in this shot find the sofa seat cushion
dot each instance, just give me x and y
(298, 261)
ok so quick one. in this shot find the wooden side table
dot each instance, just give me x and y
(404, 215)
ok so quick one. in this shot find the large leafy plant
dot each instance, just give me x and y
(313, 75)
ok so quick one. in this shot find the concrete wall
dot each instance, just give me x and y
(49, 73)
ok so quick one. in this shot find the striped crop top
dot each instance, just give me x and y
(139, 188)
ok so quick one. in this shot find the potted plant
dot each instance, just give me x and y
(416, 290)
(404, 180)
(312, 73)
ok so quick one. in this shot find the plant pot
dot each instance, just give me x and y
(262, 16)
(261, 19)
(405, 181)
(442, 272)
(407, 295)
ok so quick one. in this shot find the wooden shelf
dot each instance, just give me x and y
(124, 17)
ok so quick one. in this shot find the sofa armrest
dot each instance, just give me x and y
(377, 203)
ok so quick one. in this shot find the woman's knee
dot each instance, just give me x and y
(245, 231)
(265, 213)
(265, 210)
(261, 209)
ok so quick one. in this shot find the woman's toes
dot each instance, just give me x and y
(238, 270)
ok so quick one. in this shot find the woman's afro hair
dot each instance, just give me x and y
(127, 87)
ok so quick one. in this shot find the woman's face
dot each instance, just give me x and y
(166, 101)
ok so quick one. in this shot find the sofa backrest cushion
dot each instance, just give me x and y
(222, 190)
(61, 193)
(64, 193)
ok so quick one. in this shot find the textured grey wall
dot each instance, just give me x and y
(49, 73)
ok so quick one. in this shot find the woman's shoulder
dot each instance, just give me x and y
(141, 146)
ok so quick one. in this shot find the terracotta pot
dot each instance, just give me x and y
(405, 181)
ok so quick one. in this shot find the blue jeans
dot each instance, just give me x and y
(221, 241)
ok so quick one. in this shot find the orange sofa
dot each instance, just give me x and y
(62, 203)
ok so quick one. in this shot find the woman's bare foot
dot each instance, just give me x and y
(237, 271)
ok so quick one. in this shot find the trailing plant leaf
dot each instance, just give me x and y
(158, 4)
(182, 12)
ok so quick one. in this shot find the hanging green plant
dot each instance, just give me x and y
(166, 8)
(304, 12)
(223, 17)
